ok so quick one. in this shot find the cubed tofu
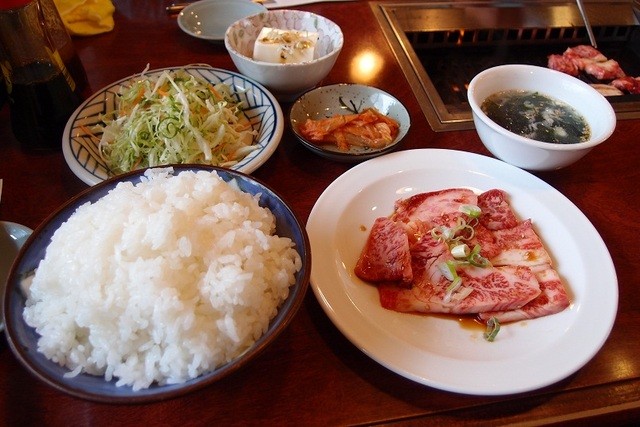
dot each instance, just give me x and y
(284, 46)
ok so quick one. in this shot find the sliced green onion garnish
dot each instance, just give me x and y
(448, 270)
(493, 327)
(443, 233)
(460, 251)
(476, 259)
(462, 293)
(464, 230)
(471, 211)
(453, 236)
(455, 284)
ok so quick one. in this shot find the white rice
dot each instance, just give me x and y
(160, 281)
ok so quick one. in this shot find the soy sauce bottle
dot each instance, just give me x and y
(41, 90)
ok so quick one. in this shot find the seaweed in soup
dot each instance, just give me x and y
(534, 115)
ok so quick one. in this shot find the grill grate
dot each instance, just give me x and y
(515, 36)
(442, 45)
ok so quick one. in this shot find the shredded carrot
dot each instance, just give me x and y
(88, 131)
(136, 164)
(246, 126)
(139, 97)
(215, 92)
(125, 111)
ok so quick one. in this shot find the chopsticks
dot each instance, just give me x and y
(587, 24)
(175, 7)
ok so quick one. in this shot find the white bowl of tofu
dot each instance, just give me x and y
(536, 118)
(288, 51)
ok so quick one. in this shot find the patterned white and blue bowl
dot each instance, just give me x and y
(79, 140)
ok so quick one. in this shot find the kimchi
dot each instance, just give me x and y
(367, 129)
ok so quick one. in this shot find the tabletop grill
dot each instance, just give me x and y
(442, 45)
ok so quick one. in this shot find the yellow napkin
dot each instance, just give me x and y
(86, 17)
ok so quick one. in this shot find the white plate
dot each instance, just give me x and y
(441, 352)
(12, 237)
(263, 110)
(209, 19)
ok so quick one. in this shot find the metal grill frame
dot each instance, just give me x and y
(447, 27)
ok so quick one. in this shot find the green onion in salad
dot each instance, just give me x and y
(175, 117)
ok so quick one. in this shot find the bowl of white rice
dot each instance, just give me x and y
(156, 283)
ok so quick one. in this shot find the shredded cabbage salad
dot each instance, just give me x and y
(175, 117)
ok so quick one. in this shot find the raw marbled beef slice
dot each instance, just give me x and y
(494, 289)
(553, 299)
(385, 256)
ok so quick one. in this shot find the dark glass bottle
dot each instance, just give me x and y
(42, 91)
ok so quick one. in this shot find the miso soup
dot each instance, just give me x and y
(537, 116)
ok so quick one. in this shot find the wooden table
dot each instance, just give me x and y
(312, 375)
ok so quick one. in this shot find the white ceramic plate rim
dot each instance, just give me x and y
(236, 9)
(91, 171)
(440, 352)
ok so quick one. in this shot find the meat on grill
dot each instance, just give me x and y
(612, 80)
